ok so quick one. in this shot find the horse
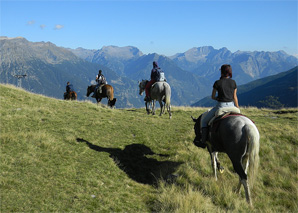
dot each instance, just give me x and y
(238, 137)
(160, 91)
(70, 96)
(107, 92)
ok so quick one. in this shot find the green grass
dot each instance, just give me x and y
(79, 157)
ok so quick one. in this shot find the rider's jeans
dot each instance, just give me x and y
(211, 113)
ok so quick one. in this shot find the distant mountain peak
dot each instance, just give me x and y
(127, 52)
(10, 38)
(25, 51)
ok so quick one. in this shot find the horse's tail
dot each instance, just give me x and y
(167, 95)
(168, 98)
(110, 95)
(253, 138)
(75, 95)
(110, 92)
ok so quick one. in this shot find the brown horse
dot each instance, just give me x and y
(70, 96)
(107, 92)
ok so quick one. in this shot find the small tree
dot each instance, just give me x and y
(271, 102)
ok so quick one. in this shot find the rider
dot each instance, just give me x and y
(154, 77)
(227, 97)
(101, 80)
(69, 88)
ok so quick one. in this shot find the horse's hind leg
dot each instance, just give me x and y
(245, 163)
(247, 191)
(161, 108)
(239, 186)
(153, 107)
(169, 110)
(243, 179)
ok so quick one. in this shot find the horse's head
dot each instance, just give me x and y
(112, 102)
(142, 86)
(197, 128)
(90, 89)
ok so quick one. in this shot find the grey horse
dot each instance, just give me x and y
(238, 137)
(160, 91)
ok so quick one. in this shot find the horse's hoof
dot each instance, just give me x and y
(221, 169)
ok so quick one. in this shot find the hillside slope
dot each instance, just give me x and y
(63, 156)
(283, 88)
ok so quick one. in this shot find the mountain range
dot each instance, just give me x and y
(190, 74)
(275, 91)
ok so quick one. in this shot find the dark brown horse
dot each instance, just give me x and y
(107, 92)
(70, 96)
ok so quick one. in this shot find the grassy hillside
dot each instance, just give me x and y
(79, 157)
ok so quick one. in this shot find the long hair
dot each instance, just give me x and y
(226, 71)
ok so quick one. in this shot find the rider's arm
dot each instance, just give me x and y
(236, 98)
(214, 94)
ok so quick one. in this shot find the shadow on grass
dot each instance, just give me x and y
(134, 162)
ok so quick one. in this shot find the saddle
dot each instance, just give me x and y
(222, 113)
(99, 88)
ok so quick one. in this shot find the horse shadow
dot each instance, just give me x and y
(134, 162)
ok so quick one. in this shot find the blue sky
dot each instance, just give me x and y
(164, 27)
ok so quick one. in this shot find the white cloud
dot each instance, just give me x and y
(42, 26)
(58, 27)
(31, 22)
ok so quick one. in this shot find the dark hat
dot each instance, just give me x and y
(100, 71)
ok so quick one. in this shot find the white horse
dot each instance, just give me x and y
(160, 91)
(238, 137)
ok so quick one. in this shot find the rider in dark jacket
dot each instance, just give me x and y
(69, 87)
(154, 77)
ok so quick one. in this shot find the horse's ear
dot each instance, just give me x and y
(194, 120)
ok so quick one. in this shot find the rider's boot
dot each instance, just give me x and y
(147, 98)
(94, 95)
(202, 143)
